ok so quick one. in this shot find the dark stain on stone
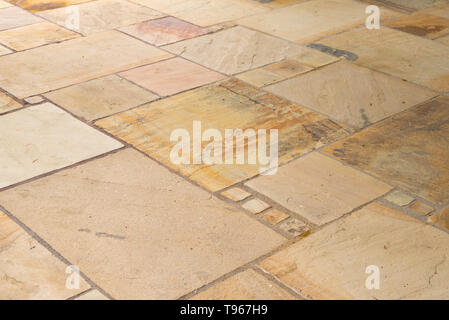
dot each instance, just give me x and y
(84, 230)
(335, 52)
(421, 31)
(108, 235)
(364, 117)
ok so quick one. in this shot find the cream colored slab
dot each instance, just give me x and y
(136, 229)
(397, 53)
(4, 50)
(331, 264)
(246, 285)
(101, 15)
(44, 138)
(4, 4)
(235, 50)
(205, 12)
(13, 17)
(92, 295)
(28, 271)
(7, 103)
(34, 35)
(58, 65)
(318, 188)
(100, 97)
(311, 20)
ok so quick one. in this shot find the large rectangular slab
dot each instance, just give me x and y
(58, 65)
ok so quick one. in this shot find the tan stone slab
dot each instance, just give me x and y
(235, 50)
(295, 227)
(236, 194)
(40, 5)
(444, 40)
(172, 76)
(409, 150)
(397, 53)
(315, 58)
(13, 17)
(245, 285)
(238, 105)
(92, 295)
(331, 263)
(420, 24)
(55, 66)
(34, 100)
(101, 97)
(141, 232)
(318, 188)
(255, 206)
(288, 68)
(259, 77)
(275, 216)
(4, 4)
(4, 50)
(311, 20)
(164, 31)
(101, 15)
(399, 198)
(43, 138)
(35, 35)
(441, 218)
(205, 12)
(373, 95)
(441, 11)
(7, 103)
(28, 271)
(420, 208)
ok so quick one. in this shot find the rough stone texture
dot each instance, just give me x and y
(318, 188)
(40, 5)
(275, 216)
(255, 206)
(259, 77)
(441, 218)
(13, 17)
(100, 97)
(44, 138)
(288, 68)
(122, 220)
(399, 198)
(92, 295)
(236, 194)
(420, 208)
(409, 150)
(331, 263)
(294, 226)
(315, 58)
(55, 66)
(7, 103)
(420, 24)
(246, 285)
(27, 269)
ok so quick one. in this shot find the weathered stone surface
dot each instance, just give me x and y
(331, 263)
(441, 11)
(55, 66)
(259, 77)
(275, 216)
(246, 285)
(255, 206)
(294, 226)
(315, 58)
(92, 295)
(101, 97)
(40, 5)
(441, 218)
(409, 150)
(122, 220)
(373, 95)
(318, 188)
(7, 103)
(420, 24)
(399, 198)
(235, 50)
(44, 138)
(420, 208)
(13, 17)
(28, 271)
(288, 68)
(236, 194)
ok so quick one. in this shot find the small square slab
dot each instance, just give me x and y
(399, 198)
(34, 99)
(13, 17)
(420, 24)
(236, 194)
(259, 77)
(275, 216)
(420, 208)
(441, 218)
(255, 206)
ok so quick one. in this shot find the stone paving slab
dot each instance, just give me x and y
(41, 5)
(420, 24)
(13, 17)
(8, 104)
(441, 218)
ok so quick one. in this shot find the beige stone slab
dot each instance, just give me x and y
(235, 50)
(171, 76)
(319, 188)
(443, 40)
(205, 12)
(255, 206)
(41, 5)
(55, 66)
(315, 58)
(35, 35)
(140, 231)
(101, 15)
(236, 194)
(288, 68)
(441, 11)
(441, 218)
(28, 271)
(4, 4)
(420, 208)
(373, 96)
(7, 103)
(34, 99)
(311, 20)
(420, 24)
(245, 285)
(259, 77)
(13, 17)
(294, 227)
(43, 138)
(331, 263)
(275, 216)
(4, 50)
(101, 97)
(397, 53)
(92, 295)
(399, 198)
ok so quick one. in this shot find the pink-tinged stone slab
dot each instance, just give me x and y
(43, 138)
(136, 229)
(319, 188)
(164, 31)
(28, 271)
(55, 66)
(7, 103)
(13, 17)
(410, 255)
(171, 76)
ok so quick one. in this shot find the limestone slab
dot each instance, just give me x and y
(101, 97)
(441, 218)
(332, 263)
(373, 96)
(92, 295)
(410, 150)
(420, 24)
(55, 66)
(28, 271)
(101, 15)
(238, 105)
(44, 138)
(164, 31)
(319, 188)
(275, 216)
(122, 220)
(311, 20)
(245, 285)
(420, 208)
(35, 35)
(41, 5)
(13, 17)
(205, 12)
(236, 194)
(399, 198)
(255, 206)
(235, 50)
(172, 76)
(7, 103)
(403, 55)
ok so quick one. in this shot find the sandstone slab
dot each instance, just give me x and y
(7, 103)
(441, 218)
(4, 4)
(4, 50)
(41, 5)
(275, 216)
(420, 24)
(236, 194)
(13, 17)
(255, 206)
(399, 198)
(420, 208)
